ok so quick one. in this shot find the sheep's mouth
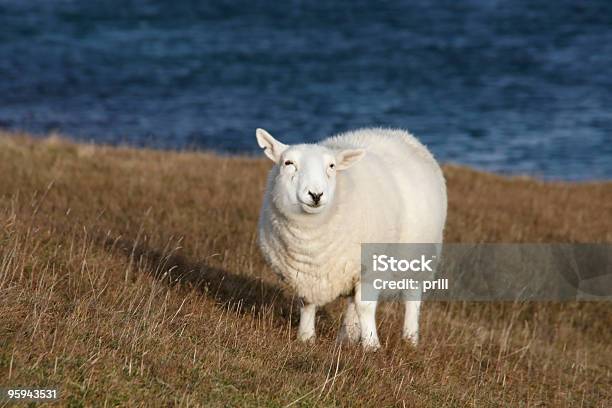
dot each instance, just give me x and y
(311, 208)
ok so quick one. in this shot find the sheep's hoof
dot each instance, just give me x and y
(412, 338)
(306, 337)
(349, 334)
(370, 345)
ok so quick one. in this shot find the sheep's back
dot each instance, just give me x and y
(397, 190)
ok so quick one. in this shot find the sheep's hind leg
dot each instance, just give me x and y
(366, 310)
(411, 321)
(306, 330)
(350, 331)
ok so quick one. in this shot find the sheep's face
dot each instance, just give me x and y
(305, 182)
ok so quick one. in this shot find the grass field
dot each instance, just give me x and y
(132, 277)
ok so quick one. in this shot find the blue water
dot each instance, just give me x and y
(509, 86)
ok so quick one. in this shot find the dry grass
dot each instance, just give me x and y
(131, 277)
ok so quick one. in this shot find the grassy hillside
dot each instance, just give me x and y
(132, 277)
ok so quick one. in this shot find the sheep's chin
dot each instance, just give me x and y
(312, 210)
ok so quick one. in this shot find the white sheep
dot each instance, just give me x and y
(323, 200)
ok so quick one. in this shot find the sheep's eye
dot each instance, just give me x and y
(331, 166)
(288, 163)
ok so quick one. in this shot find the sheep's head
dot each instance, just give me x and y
(305, 178)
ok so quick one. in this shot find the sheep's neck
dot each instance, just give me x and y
(311, 239)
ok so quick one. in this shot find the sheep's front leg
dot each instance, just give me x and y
(411, 321)
(306, 331)
(350, 331)
(366, 311)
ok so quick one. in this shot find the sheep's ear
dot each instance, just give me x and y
(347, 158)
(272, 147)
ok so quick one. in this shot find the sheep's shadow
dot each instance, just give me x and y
(252, 294)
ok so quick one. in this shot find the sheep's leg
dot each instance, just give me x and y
(411, 321)
(350, 330)
(306, 331)
(413, 307)
(366, 311)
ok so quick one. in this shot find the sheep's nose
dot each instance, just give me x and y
(315, 197)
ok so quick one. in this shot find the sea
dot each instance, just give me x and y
(513, 87)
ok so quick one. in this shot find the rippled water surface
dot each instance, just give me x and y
(514, 87)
